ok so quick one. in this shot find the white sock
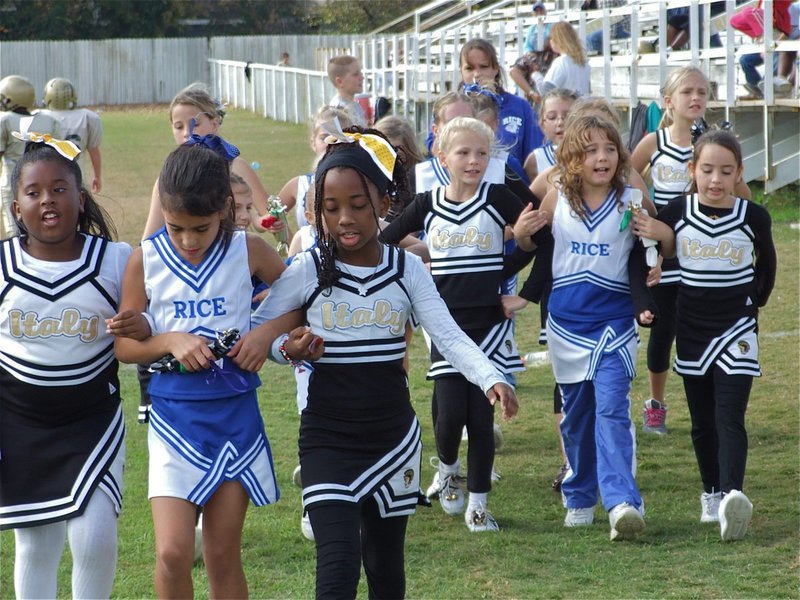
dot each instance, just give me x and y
(445, 469)
(477, 500)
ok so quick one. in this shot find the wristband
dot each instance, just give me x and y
(278, 350)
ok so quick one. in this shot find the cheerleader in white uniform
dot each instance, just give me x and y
(727, 271)
(359, 437)
(206, 439)
(464, 228)
(62, 435)
(556, 105)
(599, 285)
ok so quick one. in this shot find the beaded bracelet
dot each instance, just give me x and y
(285, 354)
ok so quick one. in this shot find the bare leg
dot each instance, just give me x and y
(223, 520)
(658, 385)
(173, 520)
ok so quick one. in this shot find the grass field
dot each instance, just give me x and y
(533, 556)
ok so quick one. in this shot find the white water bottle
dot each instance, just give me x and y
(536, 359)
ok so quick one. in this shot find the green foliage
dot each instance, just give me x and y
(358, 16)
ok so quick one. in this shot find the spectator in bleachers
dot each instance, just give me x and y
(570, 70)
(530, 68)
(620, 30)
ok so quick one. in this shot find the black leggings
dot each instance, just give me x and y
(662, 333)
(717, 403)
(460, 403)
(346, 534)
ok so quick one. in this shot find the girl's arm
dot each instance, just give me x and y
(644, 306)
(191, 350)
(544, 182)
(288, 193)
(742, 190)
(265, 262)
(155, 218)
(296, 245)
(766, 257)
(650, 227)
(454, 344)
(260, 194)
(407, 222)
(640, 158)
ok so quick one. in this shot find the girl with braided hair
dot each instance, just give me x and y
(360, 440)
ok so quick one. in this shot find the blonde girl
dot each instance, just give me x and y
(468, 277)
(718, 301)
(598, 275)
(195, 110)
(293, 192)
(570, 70)
(665, 154)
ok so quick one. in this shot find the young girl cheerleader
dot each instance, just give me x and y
(206, 439)
(464, 226)
(359, 438)
(62, 435)
(556, 105)
(666, 154)
(727, 270)
(195, 110)
(598, 286)
(519, 131)
(293, 193)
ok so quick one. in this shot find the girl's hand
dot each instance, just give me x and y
(646, 318)
(654, 274)
(303, 344)
(528, 223)
(191, 350)
(512, 304)
(508, 399)
(645, 226)
(129, 324)
(251, 351)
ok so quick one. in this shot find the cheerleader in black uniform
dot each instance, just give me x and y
(62, 434)
(359, 437)
(727, 271)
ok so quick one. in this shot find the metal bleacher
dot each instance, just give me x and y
(769, 129)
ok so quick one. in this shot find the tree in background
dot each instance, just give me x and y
(103, 19)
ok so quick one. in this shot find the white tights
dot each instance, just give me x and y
(93, 542)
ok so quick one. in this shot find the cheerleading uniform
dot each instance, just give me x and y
(205, 427)
(360, 440)
(304, 182)
(61, 425)
(669, 170)
(545, 157)
(727, 266)
(592, 338)
(465, 241)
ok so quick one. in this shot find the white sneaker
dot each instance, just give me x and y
(296, 477)
(709, 505)
(198, 540)
(452, 495)
(735, 512)
(480, 519)
(435, 487)
(626, 522)
(305, 527)
(579, 517)
(499, 440)
(495, 475)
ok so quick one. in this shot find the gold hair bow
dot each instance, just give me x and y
(64, 147)
(381, 151)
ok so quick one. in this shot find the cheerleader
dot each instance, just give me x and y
(359, 437)
(599, 284)
(62, 435)
(464, 228)
(727, 271)
(206, 440)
